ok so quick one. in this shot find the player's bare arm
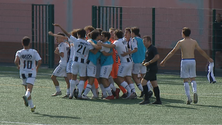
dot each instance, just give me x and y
(109, 45)
(55, 35)
(39, 62)
(203, 53)
(17, 62)
(171, 53)
(64, 31)
(96, 46)
(155, 58)
(129, 52)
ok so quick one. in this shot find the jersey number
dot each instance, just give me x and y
(80, 49)
(27, 64)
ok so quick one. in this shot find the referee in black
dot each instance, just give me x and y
(150, 62)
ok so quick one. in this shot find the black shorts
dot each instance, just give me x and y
(151, 74)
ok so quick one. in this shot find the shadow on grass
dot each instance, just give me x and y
(55, 116)
(208, 106)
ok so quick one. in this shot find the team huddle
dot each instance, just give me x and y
(91, 59)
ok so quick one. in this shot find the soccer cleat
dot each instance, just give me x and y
(195, 98)
(189, 102)
(84, 97)
(33, 109)
(57, 93)
(144, 102)
(124, 96)
(157, 102)
(95, 97)
(131, 96)
(117, 93)
(150, 93)
(66, 96)
(110, 97)
(25, 101)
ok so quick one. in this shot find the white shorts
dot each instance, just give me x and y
(105, 71)
(125, 69)
(79, 68)
(28, 78)
(138, 68)
(69, 66)
(98, 68)
(188, 68)
(91, 70)
(60, 71)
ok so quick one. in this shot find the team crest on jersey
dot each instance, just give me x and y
(27, 56)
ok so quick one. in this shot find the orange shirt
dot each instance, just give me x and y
(115, 57)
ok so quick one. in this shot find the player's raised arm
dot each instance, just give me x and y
(171, 53)
(64, 31)
(109, 45)
(96, 46)
(204, 54)
(56, 35)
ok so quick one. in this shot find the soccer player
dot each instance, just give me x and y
(25, 60)
(125, 69)
(60, 71)
(188, 63)
(150, 62)
(106, 62)
(82, 48)
(91, 63)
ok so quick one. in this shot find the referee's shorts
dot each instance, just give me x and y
(151, 74)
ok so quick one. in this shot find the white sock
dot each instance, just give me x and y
(112, 86)
(108, 90)
(102, 89)
(194, 86)
(126, 86)
(132, 87)
(187, 90)
(95, 94)
(27, 94)
(67, 91)
(30, 103)
(88, 88)
(140, 86)
(72, 86)
(149, 85)
(81, 87)
(57, 88)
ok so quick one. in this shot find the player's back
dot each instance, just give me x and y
(187, 48)
(27, 59)
(121, 47)
(64, 47)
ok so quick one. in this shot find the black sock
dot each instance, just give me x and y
(145, 91)
(157, 93)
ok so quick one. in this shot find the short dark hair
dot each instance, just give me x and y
(62, 34)
(136, 31)
(94, 34)
(186, 31)
(81, 33)
(106, 34)
(119, 33)
(100, 30)
(128, 29)
(147, 37)
(74, 32)
(25, 40)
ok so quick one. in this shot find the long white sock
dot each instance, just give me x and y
(108, 90)
(187, 90)
(149, 85)
(140, 86)
(30, 103)
(57, 88)
(88, 88)
(94, 90)
(194, 86)
(27, 94)
(67, 91)
(81, 87)
(103, 89)
(72, 86)
(112, 86)
(126, 86)
(132, 87)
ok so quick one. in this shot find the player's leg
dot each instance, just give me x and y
(145, 89)
(193, 81)
(68, 87)
(57, 72)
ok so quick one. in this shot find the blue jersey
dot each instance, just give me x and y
(138, 56)
(93, 57)
(106, 60)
